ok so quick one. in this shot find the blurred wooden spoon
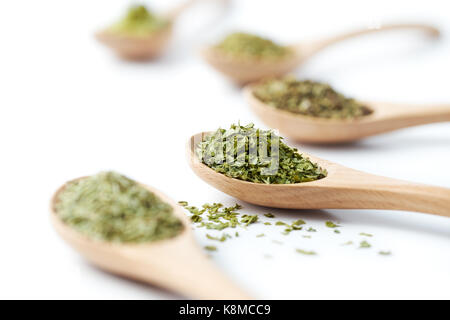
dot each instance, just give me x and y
(177, 263)
(384, 118)
(138, 48)
(243, 71)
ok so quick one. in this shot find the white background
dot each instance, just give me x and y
(69, 108)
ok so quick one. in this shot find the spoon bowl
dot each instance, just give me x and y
(141, 48)
(245, 70)
(177, 263)
(342, 188)
(385, 117)
(137, 48)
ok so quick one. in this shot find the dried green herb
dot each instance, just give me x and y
(269, 215)
(248, 46)
(385, 253)
(366, 234)
(196, 218)
(308, 98)
(139, 21)
(215, 216)
(364, 244)
(259, 156)
(331, 224)
(248, 219)
(111, 207)
(298, 222)
(211, 248)
(308, 253)
(221, 239)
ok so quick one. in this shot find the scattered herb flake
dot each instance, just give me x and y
(221, 239)
(364, 244)
(298, 222)
(331, 224)
(308, 253)
(196, 218)
(248, 219)
(366, 234)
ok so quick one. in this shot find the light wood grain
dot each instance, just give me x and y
(177, 264)
(386, 117)
(137, 48)
(343, 188)
(243, 71)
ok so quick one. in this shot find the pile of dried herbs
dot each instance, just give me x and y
(245, 45)
(139, 21)
(308, 98)
(109, 206)
(255, 155)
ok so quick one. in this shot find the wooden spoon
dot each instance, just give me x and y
(342, 188)
(243, 71)
(384, 118)
(139, 48)
(177, 264)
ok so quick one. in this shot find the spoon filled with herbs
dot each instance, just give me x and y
(141, 34)
(313, 112)
(245, 57)
(255, 166)
(137, 232)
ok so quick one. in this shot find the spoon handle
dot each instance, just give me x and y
(311, 47)
(183, 268)
(402, 116)
(175, 12)
(178, 10)
(354, 189)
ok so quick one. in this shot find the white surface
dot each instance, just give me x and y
(69, 108)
